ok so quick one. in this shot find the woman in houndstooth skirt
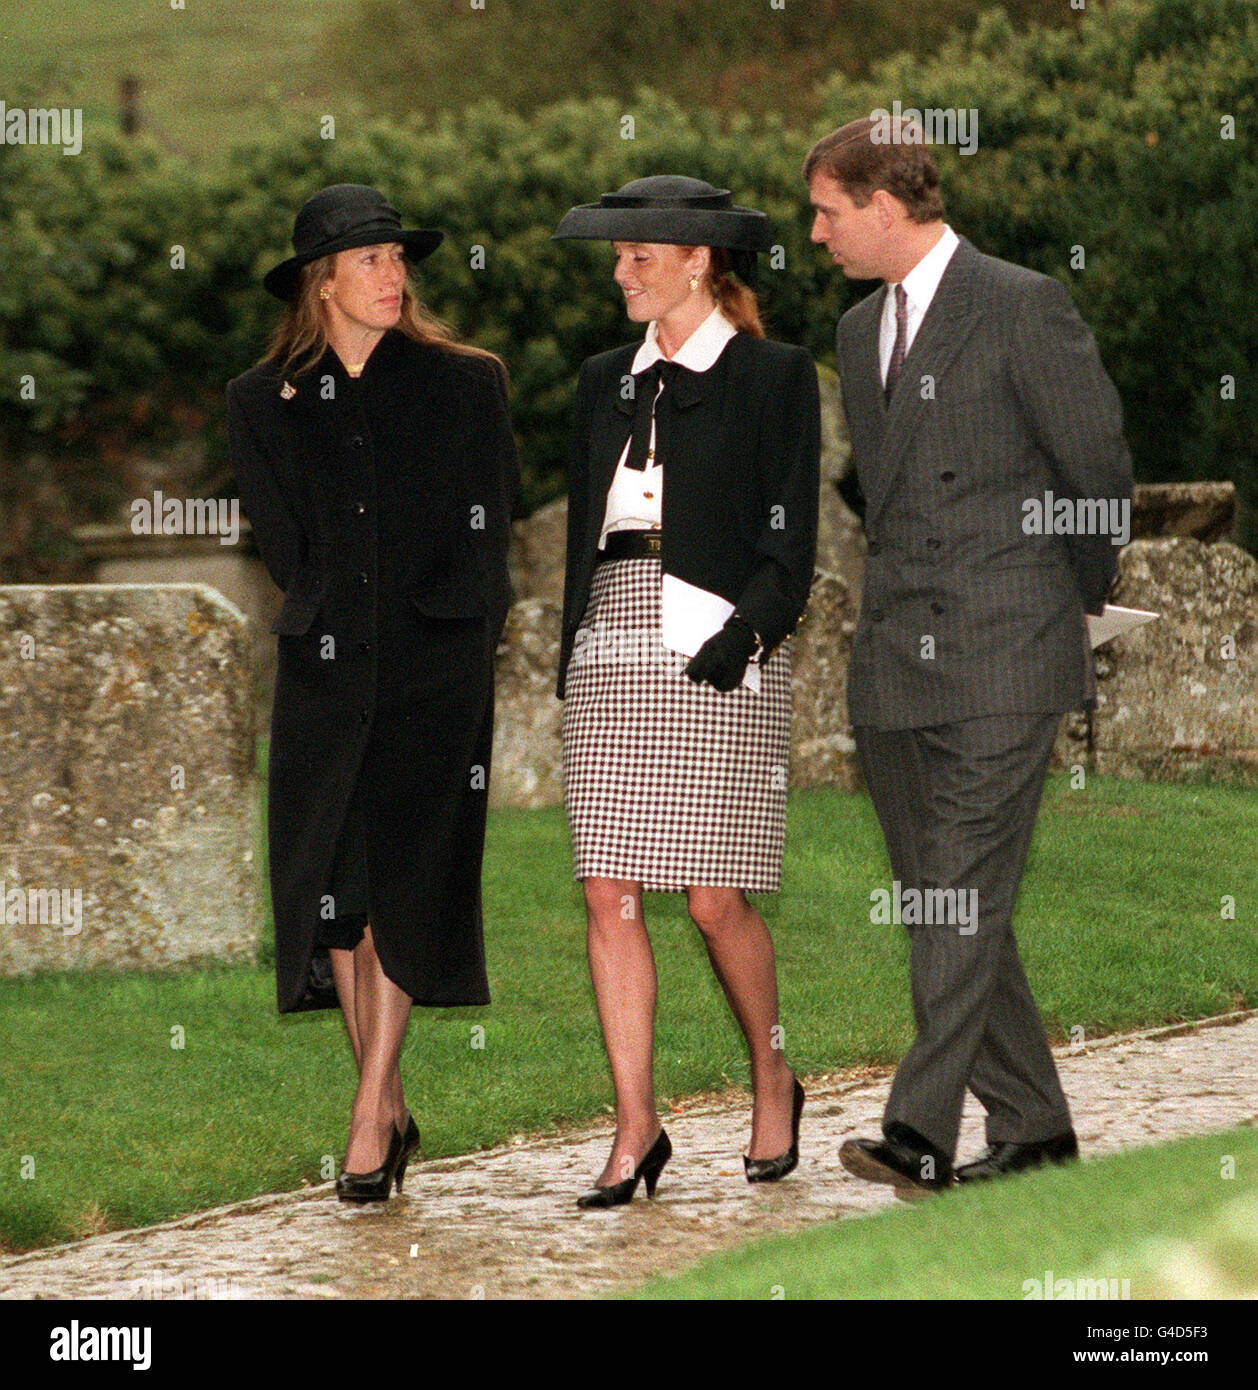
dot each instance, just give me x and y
(692, 526)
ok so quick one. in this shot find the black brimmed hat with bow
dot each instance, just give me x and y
(674, 209)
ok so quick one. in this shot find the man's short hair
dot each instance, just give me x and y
(901, 164)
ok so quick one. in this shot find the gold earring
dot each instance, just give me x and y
(324, 292)
(694, 283)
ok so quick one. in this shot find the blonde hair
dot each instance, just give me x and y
(300, 337)
(734, 299)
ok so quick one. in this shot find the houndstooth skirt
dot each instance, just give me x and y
(668, 783)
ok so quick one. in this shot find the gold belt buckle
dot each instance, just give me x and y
(654, 542)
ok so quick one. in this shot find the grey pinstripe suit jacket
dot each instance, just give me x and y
(1002, 398)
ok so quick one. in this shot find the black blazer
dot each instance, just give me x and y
(741, 480)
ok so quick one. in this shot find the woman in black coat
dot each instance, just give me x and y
(692, 529)
(375, 458)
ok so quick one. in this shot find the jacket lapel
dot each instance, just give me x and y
(951, 318)
(612, 424)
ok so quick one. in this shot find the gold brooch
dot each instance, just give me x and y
(288, 391)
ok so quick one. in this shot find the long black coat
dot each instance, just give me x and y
(381, 507)
(741, 449)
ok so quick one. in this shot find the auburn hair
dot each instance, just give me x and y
(734, 299)
(301, 336)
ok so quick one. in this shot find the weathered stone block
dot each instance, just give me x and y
(528, 753)
(128, 825)
(1178, 696)
(823, 752)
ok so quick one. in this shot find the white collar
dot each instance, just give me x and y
(923, 280)
(698, 352)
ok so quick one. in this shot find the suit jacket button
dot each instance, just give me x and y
(364, 647)
(357, 441)
(947, 476)
(932, 543)
(877, 615)
(936, 607)
(359, 509)
(873, 547)
(362, 577)
(363, 717)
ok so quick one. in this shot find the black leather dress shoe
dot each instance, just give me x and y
(902, 1157)
(1018, 1158)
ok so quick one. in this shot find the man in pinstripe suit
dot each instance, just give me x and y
(972, 389)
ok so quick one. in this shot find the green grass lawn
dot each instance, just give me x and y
(1119, 922)
(203, 70)
(1148, 1216)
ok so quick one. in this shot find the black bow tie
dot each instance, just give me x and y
(645, 386)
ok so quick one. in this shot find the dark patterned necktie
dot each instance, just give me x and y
(645, 385)
(901, 337)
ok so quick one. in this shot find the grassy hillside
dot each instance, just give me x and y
(206, 72)
(209, 72)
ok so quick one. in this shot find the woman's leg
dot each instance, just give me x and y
(343, 975)
(381, 1011)
(741, 951)
(622, 971)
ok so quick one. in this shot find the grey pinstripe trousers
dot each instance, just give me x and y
(957, 805)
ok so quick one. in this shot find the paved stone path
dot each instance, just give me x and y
(503, 1223)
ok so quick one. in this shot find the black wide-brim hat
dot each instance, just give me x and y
(339, 218)
(668, 208)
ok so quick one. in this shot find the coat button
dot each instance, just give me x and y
(357, 441)
(362, 577)
(947, 476)
(936, 607)
(932, 543)
(877, 615)
(874, 547)
(363, 717)
(359, 509)
(364, 647)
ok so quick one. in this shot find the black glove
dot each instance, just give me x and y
(722, 659)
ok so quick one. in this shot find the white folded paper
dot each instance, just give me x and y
(690, 615)
(1113, 622)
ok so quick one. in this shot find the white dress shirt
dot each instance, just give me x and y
(633, 500)
(920, 285)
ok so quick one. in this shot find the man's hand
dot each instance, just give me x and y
(722, 659)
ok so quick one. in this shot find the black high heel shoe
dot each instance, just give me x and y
(616, 1193)
(410, 1142)
(373, 1186)
(771, 1169)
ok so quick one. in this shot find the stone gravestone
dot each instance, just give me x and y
(129, 821)
(1178, 697)
(528, 750)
